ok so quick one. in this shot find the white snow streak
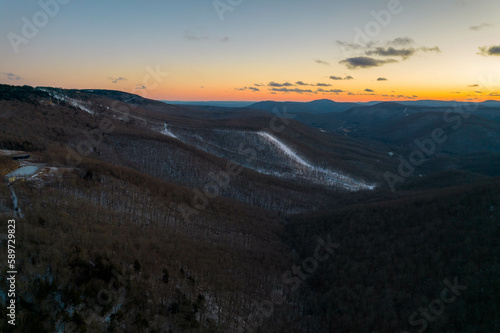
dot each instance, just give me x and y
(69, 100)
(285, 149)
(316, 174)
(168, 132)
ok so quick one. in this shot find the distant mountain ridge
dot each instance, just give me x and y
(315, 107)
(327, 106)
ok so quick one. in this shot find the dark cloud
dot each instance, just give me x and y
(295, 90)
(430, 49)
(365, 62)
(116, 80)
(401, 41)
(403, 47)
(322, 62)
(398, 42)
(479, 27)
(302, 83)
(333, 77)
(12, 76)
(403, 96)
(381, 79)
(247, 88)
(455, 92)
(391, 52)
(335, 91)
(369, 90)
(490, 50)
(404, 53)
(275, 84)
(141, 87)
(259, 84)
(473, 85)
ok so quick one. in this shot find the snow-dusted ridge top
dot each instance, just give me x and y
(67, 99)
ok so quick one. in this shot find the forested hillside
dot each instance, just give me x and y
(149, 217)
(393, 257)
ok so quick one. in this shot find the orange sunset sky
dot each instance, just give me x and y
(242, 50)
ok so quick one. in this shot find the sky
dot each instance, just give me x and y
(253, 50)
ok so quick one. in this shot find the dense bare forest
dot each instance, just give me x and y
(149, 217)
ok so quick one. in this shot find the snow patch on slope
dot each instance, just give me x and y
(168, 132)
(285, 149)
(316, 174)
(69, 100)
(278, 160)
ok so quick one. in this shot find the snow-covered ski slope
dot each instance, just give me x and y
(316, 174)
(284, 148)
(272, 156)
